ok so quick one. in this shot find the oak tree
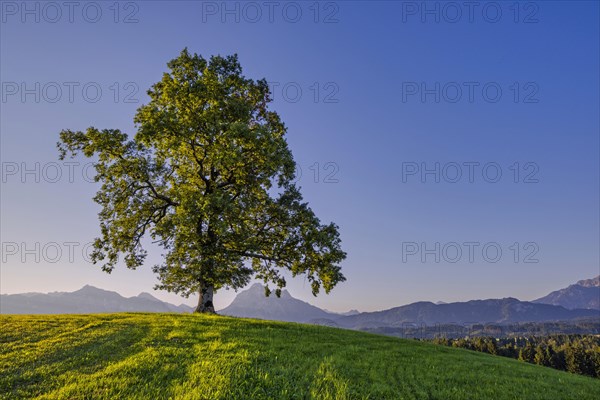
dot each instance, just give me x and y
(209, 177)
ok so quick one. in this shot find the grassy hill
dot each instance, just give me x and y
(162, 356)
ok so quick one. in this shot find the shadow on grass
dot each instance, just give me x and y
(85, 350)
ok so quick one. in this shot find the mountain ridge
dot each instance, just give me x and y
(252, 303)
(585, 294)
(88, 299)
(499, 311)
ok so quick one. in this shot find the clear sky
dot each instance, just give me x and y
(401, 117)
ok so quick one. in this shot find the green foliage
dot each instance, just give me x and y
(527, 353)
(578, 354)
(209, 177)
(198, 356)
(540, 356)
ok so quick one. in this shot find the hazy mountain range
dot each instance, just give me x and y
(499, 311)
(580, 300)
(583, 294)
(86, 300)
(252, 303)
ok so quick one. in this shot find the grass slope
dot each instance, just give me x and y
(163, 356)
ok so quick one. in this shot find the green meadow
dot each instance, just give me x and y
(171, 356)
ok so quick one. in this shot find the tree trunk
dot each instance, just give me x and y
(205, 301)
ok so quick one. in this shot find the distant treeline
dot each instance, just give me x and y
(526, 329)
(579, 354)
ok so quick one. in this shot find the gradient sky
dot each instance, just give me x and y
(367, 59)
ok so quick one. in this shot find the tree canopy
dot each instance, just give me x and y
(209, 177)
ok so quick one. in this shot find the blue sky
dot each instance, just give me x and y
(388, 89)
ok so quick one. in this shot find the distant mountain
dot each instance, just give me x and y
(252, 303)
(501, 311)
(86, 300)
(577, 301)
(351, 312)
(583, 294)
(593, 282)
